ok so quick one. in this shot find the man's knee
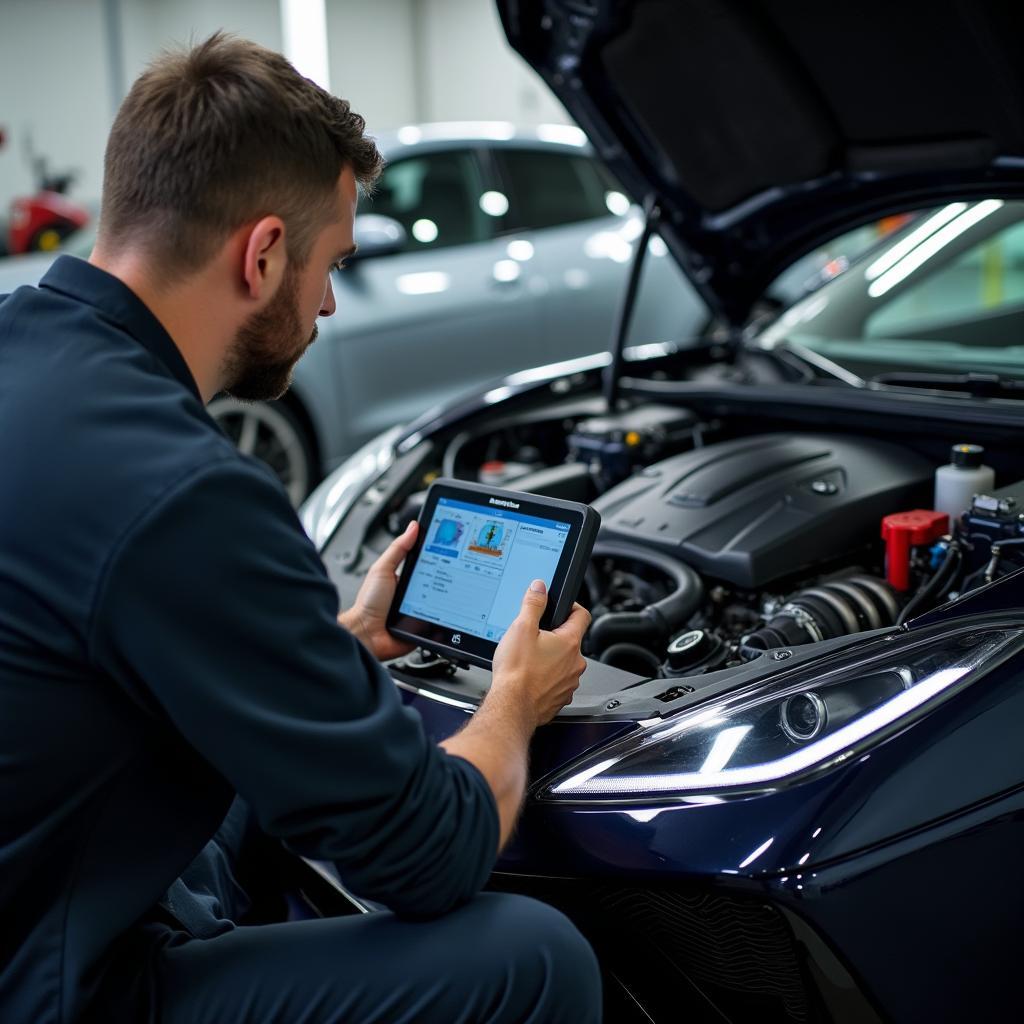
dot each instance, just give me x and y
(545, 951)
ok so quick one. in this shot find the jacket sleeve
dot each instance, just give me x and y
(215, 614)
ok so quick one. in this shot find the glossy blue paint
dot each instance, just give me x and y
(901, 862)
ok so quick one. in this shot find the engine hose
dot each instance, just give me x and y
(840, 607)
(656, 623)
(748, 653)
(632, 658)
(941, 580)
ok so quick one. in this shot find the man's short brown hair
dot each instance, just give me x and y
(213, 137)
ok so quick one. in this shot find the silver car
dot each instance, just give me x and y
(485, 248)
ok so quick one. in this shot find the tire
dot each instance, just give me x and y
(50, 239)
(272, 433)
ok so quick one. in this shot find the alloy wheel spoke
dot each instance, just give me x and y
(247, 438)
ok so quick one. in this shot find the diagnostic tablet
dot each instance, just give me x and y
(477, 551)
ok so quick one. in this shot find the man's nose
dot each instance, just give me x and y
(328, 306)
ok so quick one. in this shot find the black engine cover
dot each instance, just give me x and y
(753, 510)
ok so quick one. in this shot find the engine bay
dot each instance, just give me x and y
(720, 543)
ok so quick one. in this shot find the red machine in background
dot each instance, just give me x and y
(40, 222)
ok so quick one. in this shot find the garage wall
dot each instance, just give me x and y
(373, 58)
(65, 64)
(151, 25)
(54, 83)
(470, 71)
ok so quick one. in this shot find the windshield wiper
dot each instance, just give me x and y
(978, 385)
(816, 367)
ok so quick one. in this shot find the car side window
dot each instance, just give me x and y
(548, 189)
(434, 196)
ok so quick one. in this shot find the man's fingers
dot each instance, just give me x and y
(534, 602)
(576, 625)
(396, 551)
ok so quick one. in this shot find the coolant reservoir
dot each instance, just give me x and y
(965, 476)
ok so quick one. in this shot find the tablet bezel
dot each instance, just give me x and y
(469, 647)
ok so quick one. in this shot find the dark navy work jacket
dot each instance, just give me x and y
(167, 639)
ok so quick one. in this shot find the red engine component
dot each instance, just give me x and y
(903, 530)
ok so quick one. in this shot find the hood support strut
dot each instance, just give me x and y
(613, 371)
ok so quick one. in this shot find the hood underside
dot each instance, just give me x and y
(762, 128)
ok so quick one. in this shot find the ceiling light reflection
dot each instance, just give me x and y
(617, 203)
(424, 230)
(494, 204)
(757, 853)
(930, 246)
(567, 134)
(409, 135)
(427, 282)
(506, 271)
(520, 249)
(898, 251)
(608, 245)
(723, 748)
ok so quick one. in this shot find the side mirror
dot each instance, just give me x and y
(376, 235)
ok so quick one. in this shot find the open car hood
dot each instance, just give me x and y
(762, 128)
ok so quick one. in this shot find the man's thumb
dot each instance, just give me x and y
(534, 602)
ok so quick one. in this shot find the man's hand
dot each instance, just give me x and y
(366, 618)
(535, 675)
(540, 669)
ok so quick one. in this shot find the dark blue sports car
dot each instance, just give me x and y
(791, 785)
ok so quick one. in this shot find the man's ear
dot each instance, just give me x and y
(264, 258)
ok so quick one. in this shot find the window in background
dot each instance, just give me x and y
(987, 278)
(549, 189)
(434, 197)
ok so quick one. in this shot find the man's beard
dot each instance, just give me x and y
(258, 365)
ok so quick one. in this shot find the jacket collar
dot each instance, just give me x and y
(118, 303)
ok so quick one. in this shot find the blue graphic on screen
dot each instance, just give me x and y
(477, 563)
(446, 537)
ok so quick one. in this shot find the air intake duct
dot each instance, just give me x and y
(837, 608)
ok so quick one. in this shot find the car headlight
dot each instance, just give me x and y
(327, 505)
(785, 728)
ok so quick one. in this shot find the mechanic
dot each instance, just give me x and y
(169, 638)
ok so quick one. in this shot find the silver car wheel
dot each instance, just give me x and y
(271, 434)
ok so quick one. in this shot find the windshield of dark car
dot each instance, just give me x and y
(945, 294)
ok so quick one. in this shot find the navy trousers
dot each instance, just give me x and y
(499, 958)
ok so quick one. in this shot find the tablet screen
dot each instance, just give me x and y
(476, 564)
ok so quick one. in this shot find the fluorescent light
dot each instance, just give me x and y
(930, 246)
(304, 35)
